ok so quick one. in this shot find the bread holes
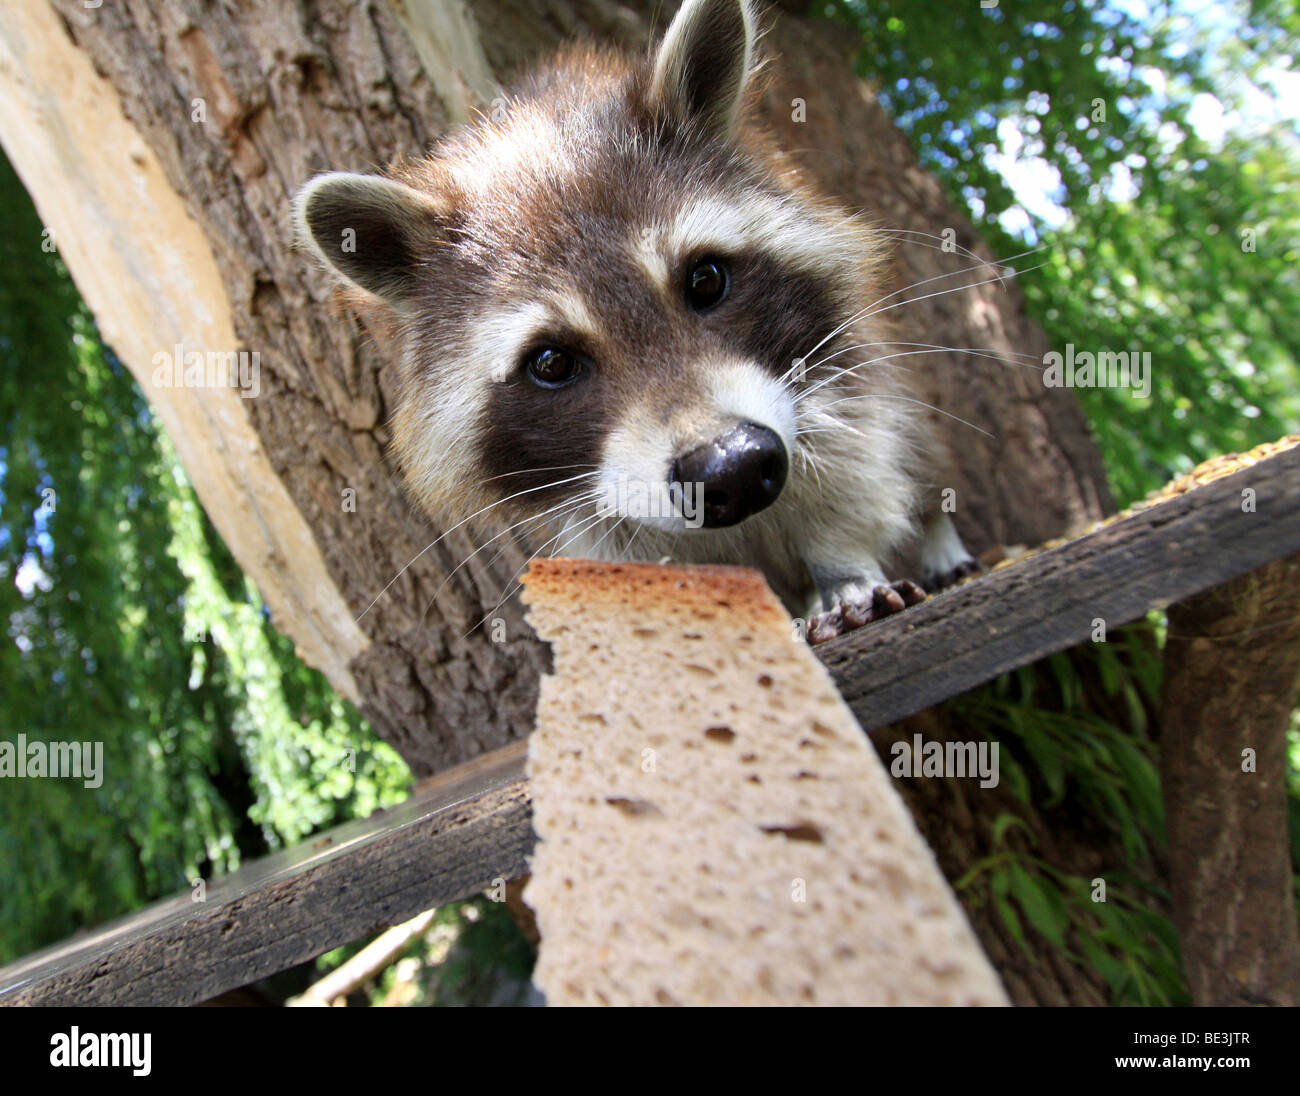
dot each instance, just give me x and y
(700, 671)
(635, 808)
(636, 920)
(798, 831)
(646, 633)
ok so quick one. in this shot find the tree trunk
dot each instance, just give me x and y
(162, 144)
(1232, 671)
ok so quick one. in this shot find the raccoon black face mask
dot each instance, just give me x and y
(631, 326)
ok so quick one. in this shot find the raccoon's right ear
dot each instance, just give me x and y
(703, 64)
(368, 230)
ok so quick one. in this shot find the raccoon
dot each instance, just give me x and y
(631, 329)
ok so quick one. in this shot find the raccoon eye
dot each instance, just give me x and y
(552, 367)
(706, 284)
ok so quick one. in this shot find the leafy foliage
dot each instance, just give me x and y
(128, 623)
(1074, 745)
(1162, 236)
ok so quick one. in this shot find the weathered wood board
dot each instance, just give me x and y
(471, 825)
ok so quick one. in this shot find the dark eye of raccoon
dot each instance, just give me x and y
(552, 367)
(706, 284)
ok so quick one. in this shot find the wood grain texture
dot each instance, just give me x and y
(1232, 671)
(1052, 600)
(294, 87)
(456, 834)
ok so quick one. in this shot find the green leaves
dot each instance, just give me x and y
(1073, 749)
(134, 628)
(1168, 240)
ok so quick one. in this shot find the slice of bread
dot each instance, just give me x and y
(714, 827)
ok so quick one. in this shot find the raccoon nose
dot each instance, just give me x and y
(741, 471)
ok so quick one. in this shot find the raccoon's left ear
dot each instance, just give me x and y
(703, 63)
(370, 230)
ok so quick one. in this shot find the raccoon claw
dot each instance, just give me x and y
(962, 571)
(825, 626)
(849, 615)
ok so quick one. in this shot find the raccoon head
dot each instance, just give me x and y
(603, 289)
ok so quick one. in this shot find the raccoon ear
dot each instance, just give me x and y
(703, 63)
(368, 229)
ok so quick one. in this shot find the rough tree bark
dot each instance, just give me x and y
(1232, 672)
(162, 145)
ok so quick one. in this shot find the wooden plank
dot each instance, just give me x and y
(1051, 601)
(456, 833)
(1232, 672)
(470, 825)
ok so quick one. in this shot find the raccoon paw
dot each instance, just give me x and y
(964, 570)
(848, 615)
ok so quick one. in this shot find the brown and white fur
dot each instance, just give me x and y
(572, 219)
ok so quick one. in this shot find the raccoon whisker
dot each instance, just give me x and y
(647, 156)
(567, 503)
(888, 233)
(448, 532)
(565, 510)
(534, 471)
(909, 399)
(976, 351)
(857, 346)
(802, 396)
(864, 313)
(954, 289)
(808, 456)
(611, 529)
(627, 548)
(586, 524)
(907, 354)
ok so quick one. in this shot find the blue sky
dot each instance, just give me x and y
(1037, 185)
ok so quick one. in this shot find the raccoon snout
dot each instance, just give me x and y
(741, 472)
